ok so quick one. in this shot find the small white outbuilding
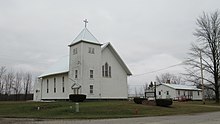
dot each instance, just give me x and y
(178, 92)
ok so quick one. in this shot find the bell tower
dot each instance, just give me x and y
(85, 64)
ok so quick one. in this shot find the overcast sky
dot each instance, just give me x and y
(147, 34)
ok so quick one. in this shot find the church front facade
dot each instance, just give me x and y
(91, 68)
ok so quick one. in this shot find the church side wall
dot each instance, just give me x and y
(59, 94)
(114, 87)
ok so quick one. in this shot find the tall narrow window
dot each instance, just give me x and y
(74, 51)
(91, 73)
(54, 85)
(178, 92)
(91, 89)
(106, 69)
(63, 88)
(47, 86)
(109, 70)
(167, 92)
(76, 74)
(198, 93)
(103, 71)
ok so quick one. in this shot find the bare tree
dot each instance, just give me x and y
(135, 92)
(168, 78)
(18, 84)
(27, 84)
(207, 46)
(2, 74)
(9, 82)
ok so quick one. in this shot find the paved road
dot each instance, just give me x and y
(205, 118)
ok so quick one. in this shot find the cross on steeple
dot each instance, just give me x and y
(85, 21)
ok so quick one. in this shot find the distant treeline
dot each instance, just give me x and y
(15, 85)
(16, 97)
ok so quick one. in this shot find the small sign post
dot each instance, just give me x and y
(77, 107)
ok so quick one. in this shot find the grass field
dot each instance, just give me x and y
(101, 109)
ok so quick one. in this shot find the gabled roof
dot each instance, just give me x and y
(116, 55)
(181, 87)
(85, 35)
(61, 66)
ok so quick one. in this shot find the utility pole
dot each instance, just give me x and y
(155, 91)
(203, 99)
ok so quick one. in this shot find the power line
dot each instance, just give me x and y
(159, 69)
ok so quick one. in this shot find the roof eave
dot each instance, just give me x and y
(51, 74)
(86, 41)
(121, 62)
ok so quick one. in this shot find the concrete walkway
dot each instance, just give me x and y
(205, 118)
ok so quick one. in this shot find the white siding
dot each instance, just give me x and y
(59, 94)
(114, 87)
(163, 89)
(91, 62)
(173, 93)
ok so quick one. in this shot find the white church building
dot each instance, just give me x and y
(91, 68)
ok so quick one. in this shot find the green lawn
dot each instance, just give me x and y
(101, 109)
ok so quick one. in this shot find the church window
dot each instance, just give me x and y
(76, 74)
(91, 73)
(106, 69)
(74, 51)
(63, 84)
(198, 93)
(47, 86)
(109, 71)
(91, 89)
(103, 71)
(54, 85)
(91, 50)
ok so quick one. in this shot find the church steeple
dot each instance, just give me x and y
(85, 35)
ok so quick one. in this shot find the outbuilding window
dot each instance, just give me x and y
(168, 93)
